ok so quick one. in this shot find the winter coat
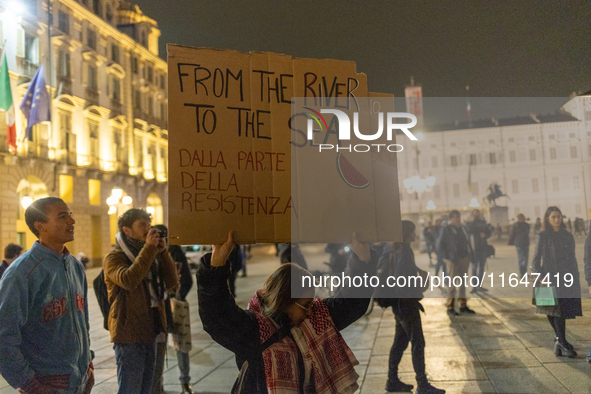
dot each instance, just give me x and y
(555, 254)
(446, 243)
(131, 319)
(186, 279)
(519, 234)
(237, 330)
(475, 228)
(587, 259)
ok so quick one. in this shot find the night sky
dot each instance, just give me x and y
(500, 49)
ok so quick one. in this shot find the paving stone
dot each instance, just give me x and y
(575, 375)
(546, 355)
(525, 380)
(471, 386)
(494, 343)
(507, 358)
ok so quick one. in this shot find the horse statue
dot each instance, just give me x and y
(495, 193)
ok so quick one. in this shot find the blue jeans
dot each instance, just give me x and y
(135, 367)
(184, 367)
(478, 265)
(440, 264)
(522, 258)
(589, 355)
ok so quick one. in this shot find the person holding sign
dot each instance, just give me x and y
(555, 266)
(287, 340)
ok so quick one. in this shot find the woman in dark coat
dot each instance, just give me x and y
(287, 341)
(555, 254)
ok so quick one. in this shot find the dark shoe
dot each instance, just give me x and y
(465, 309)
(482, 289)
(187, 389)
(563, 351)
(243, 275)
(452, 313)
(396, 386)
(426, 388)
(474, 290)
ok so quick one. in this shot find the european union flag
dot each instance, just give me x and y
(35, 105)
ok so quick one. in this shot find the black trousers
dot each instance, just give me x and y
(559, 326)
(408, 330)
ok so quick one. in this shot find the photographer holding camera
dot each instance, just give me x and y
(137, 273)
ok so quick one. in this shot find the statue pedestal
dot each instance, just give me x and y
(499, 215)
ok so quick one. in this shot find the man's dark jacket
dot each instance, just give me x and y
(519, 234)
(476, 227)
(447, 245)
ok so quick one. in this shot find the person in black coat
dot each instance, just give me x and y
(406, 308)
(185, 285)
(236, 260)
(519, 236)
(282, 314)
(587, 260)
(555, 254)
(479, 232)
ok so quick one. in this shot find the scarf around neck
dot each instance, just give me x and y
(328, 361)
(153, 279)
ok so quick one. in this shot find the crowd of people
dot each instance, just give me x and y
(287, 340)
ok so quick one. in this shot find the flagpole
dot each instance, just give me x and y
(49, 63)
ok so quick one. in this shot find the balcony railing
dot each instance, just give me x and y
(92, 96)
(26, 67)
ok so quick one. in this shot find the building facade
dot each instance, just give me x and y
(537, 161)
(105, 148)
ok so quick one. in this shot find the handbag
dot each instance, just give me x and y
(238, 387)
(181, 319)
(545, 296)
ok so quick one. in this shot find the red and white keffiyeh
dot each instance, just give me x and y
(327, 358)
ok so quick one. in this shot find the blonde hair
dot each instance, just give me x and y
(282, 287)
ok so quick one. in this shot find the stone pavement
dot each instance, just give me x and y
(504, 348)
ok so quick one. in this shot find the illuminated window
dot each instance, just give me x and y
(67, 188)
(94, 192)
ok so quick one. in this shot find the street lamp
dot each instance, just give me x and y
(116, 201)
(26, 201)
(431, 206)
(474, 203)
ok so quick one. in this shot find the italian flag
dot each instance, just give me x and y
(6, 105)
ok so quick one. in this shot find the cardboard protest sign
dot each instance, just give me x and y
(238, 162)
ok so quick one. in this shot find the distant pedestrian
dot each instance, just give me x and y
(569, 226)
(537, 227)
(44, 329)
(236, 262)
(457, 253)
(429, 236)
(519, 236)
(439, 224)
(555, 256)
(499, 231)
(11, 253)
(291, 253)
(245, 249)
(587, 260)
(180, 293)
(479, 232)
(407, 313)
